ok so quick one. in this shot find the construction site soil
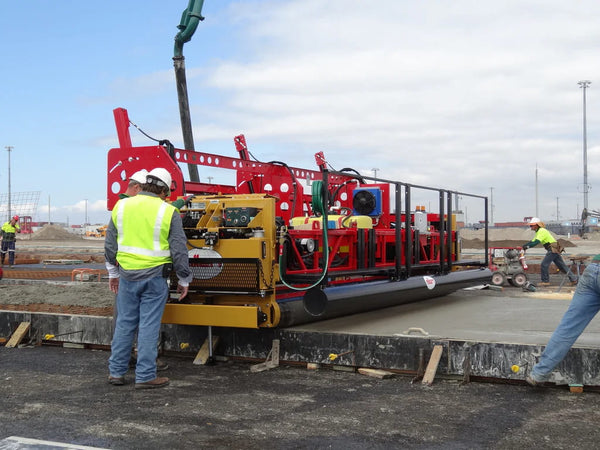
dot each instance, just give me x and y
(62, 395)
(53, 253)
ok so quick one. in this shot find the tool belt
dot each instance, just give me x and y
(8, 237)
(554, 247)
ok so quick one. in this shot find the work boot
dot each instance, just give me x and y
(116, 381)
(158, 382)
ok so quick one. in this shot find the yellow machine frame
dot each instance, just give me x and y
(218, 296)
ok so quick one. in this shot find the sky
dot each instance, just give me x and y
(472, 96)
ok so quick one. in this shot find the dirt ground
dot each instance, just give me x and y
(54, 243)
(62, 395)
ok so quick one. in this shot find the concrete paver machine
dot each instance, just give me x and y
(283, 245)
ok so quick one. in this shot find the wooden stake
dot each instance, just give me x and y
(436, 355)
(18, 335)
(204, 354)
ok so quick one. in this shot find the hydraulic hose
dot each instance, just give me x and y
(318, 207)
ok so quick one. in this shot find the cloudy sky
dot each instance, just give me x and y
(469, 96)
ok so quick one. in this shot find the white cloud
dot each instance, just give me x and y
(465, 95)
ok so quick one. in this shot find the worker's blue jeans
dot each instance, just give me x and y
(8, 247)
(140, 306)
(558, 262)
(583, 308)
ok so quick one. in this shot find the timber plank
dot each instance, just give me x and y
(375, 373)
(203, 354)
(18, 335)
(432, 366)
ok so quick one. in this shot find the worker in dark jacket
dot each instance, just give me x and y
(9, 237)
(144, 240)
(544, 237)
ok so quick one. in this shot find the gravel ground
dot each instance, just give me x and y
(62, 395)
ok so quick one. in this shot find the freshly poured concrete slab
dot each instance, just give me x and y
(466, 315)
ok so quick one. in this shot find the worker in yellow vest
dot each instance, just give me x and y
(553, 248)
(144, 242)
(9, 236)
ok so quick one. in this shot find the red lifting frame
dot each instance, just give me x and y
(288, 184)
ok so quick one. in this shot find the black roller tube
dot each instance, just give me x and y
(336, 301)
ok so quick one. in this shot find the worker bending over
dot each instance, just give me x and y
(9, 237)
(553, 248)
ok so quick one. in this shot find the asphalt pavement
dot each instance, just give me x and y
(62, 395)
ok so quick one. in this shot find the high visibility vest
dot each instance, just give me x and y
(8, 231)
(544, 236)
(143, 223)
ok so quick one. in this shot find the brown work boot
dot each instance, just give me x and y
(153, 384)
(116, 381)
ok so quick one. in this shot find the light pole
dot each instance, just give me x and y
(9, 149)
(584, 84)
(375, 169)
(537, 204)
(491, 206)
(86, 217)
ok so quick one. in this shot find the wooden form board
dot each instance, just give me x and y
(436, 355)
(204, 352)
(18, 335)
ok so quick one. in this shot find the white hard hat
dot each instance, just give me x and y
(535, 221)
(139, 176)
(161, 175)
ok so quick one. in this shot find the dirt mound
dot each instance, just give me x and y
(500, 234)
(593, 236)
(503, 237)
(54, 233)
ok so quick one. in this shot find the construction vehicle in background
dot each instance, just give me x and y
(95, 231)
(281, 245)
(585, 215)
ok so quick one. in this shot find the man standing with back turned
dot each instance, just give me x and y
(144, 241)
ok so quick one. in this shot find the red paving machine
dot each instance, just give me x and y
(282, 245)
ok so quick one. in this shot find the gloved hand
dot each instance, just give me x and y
(179, 203)
(525, 247)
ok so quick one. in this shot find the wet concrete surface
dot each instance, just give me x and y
(61, 394)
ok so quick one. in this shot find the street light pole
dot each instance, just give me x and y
(375, 169)
(491, 206)
(584, 84)
(9, 149)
